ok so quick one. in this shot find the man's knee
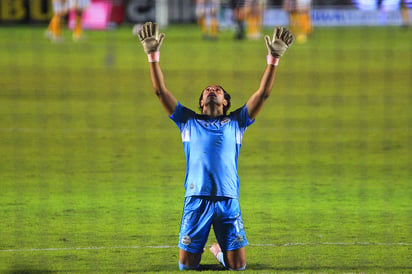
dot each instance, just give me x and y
(236, 259)
(188, 260)
(236, 267)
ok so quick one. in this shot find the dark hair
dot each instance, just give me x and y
(227, 98)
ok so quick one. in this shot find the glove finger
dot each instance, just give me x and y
(149, 29)
(146, 29)
(288, 34)
(140, 35)
(161, 37)
(155, 30)
(275, 34)
(279, 33)
(268, 42)
(152, 29)
(143, 30)
(291, 39)
(283, 35)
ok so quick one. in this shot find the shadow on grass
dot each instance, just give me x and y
(168, 268)
(262, 268)
(211, 267)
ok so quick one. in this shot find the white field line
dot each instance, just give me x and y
(175, 246)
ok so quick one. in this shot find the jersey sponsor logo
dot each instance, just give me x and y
(225, 121)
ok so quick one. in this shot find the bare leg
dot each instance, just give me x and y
(233, 259)
(191, 260)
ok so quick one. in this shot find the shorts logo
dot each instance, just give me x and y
(186, 240)
(239, 238)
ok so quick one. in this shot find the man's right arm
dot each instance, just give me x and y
(151, 41)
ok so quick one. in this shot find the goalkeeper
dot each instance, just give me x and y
(211, 142)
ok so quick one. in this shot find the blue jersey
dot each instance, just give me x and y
(211, 147)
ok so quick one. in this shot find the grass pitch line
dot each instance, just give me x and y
(82, 248)
(175, 246)
(327, 243)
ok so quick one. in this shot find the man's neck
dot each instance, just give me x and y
(212, 112)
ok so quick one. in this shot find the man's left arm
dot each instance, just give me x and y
(277, 46)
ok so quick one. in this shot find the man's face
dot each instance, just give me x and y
(213, 94)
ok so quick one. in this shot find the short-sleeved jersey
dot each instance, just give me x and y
(211, 147)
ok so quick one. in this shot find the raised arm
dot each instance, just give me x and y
(151, 40)
(281, 41)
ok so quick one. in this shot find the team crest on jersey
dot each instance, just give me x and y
(225, 121)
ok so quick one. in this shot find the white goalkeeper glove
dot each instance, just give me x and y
(151, 40)
(281, 41)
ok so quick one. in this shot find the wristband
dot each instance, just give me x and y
(153, 57)
(272, 60)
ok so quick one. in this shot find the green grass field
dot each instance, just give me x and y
(92, 169)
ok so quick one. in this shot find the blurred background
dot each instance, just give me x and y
(324, 12)
(92, 169)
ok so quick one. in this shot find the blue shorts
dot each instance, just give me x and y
(200, 213)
